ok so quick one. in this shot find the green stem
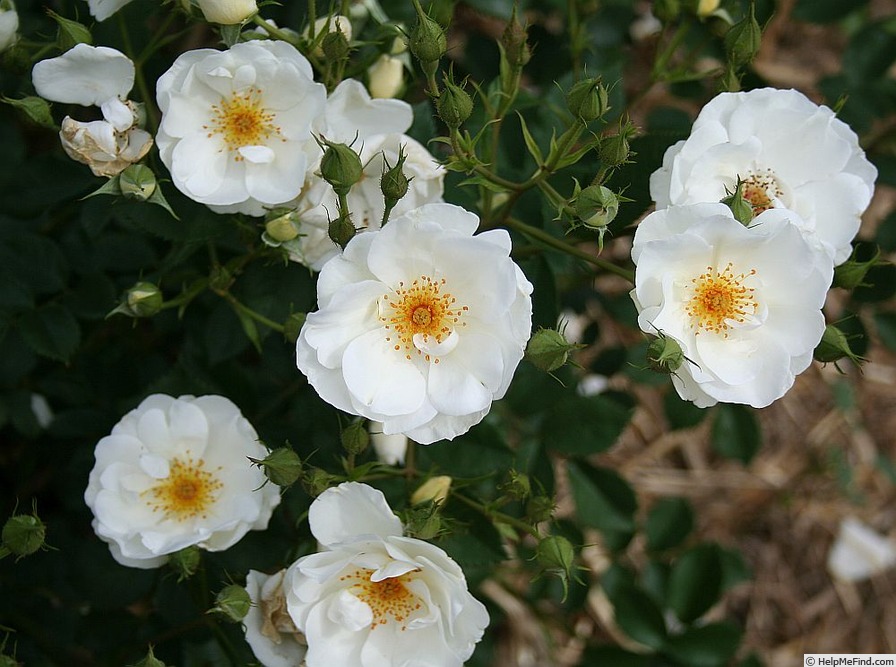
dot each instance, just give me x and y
(555, 243)
(482, 171)
(161, 36)
(248, 312)
(495, 515)
(139, 78)
(275, 32)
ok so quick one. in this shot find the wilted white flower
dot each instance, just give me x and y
(744, 304)
(421, 324)
(174, 473)
(859, 552)
(227, 12)
(236, 124)
(374, 597)
(9, 25)
(270, 632)
(103, 9)
(104, 149)
(386, 76)
(390, 449)
(86, 75)
(790, 153)
(313, 246)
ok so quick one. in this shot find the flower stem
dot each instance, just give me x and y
(248, 312)
(495, 515)
(271, 30)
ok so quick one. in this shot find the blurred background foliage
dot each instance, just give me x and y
(68, 372)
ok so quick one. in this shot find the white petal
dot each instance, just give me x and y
(86, 75)
(350, 512)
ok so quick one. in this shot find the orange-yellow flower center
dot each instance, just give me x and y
(719, 299)
(188, 491)
(242, 120)
(389, 599)
(760, 190)
(421, 308)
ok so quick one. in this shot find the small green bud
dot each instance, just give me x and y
(517, 486)
(514, 41)
(292, 327)
(70, 32)
(220, 279)
(588, 99)
(454, 105)
(664, 355)
(282, 466)
(340, 167)
(615, 150)
(666, 10)
(137, 182)
(740, 207)
(435, 490)
(540, 508)
(548, 349)
(555, 552)
(427, 40)
(743, 39)
(36, 109)
(23, 534)
(144, 299)
(335, 46)
(149, 661)
(185, 562)
(232, 603)
(394, 184)
(852, 272)
(355, 437)
(834, 346)
(341, 230)
(315, 481)
(597, 206)
(423, 522)
(281, 229)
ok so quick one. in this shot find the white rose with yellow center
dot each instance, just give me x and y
(174, 473)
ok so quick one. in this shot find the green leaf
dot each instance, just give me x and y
(604, 500)
(669, 522)
(735, 432)
(870, 53)
(711, 645)
(695, 582)
(584, 425)
(531, 144)
(825, 11)
(51, 331)
(249, 328)
(681, 413)
(484, 182)
(638, 616)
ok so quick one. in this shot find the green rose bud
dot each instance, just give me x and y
(517, 486)
(548, 349)
(514, 42)
(36, 109)
(556, 553)
(282, 466)
(137, 182)
(454, 105)
(355, 437)
(588, 99)
(615, 150)
(743, 39)
(423, 522)
(341, 230)
(281, 229)
(435, 490)
(23, 534)
(540, 508)
(740, 207)
(70, 33)
(340, 167)
(232, 603)
(664, 355)
(149, 661)
(427, 40)
(834, 346)
(852, 272)
(597, 206)
(335, 46)
(394, 184)
(143, 300)
(185, 562)
(666, 10)
(315, 481)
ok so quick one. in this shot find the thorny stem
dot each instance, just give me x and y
(495, 515)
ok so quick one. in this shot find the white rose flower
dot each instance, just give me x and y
(374, 597)
(270, 632)
(9, 25)
(104, 149)
(227, 12)
(390, 449)
(173, 473)
(86, 75)
(790, 152)
(236, 124)
(313, 246)
(353, 116)
(744, 304)
(421, 324)
(103, 9)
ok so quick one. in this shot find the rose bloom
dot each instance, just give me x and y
(744, 304)
(375, 598)
(103, 9)
(269, 630)
(790, 153)
(9, 25)
(421, 324)
(228, 12)
(173, 473)
(313, 247)
(236, 124)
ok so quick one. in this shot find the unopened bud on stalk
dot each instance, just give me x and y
(386, 77)
(615, 150)
(664, 355)
(588, 99)
(394, 184)
(354, 437)
(143, 300)
(852, 272)
(743, 39)
(517, 486)
(137, 182)
(232, 603)
(427, 40)
(597, 206)
(740, 207)
(834, 346)
(514, 41)
(540, 508)
(70, 33)
(424, 522)
(282, 466)
(23, 534)
(281, 229)
(335, 46)
(341, 230)
(548, 349)
(316, 480)
(434, 489)
(185, 562)
(555, 552)
(666, 10)
(454, 105)
(340, 166)
(228, 12)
